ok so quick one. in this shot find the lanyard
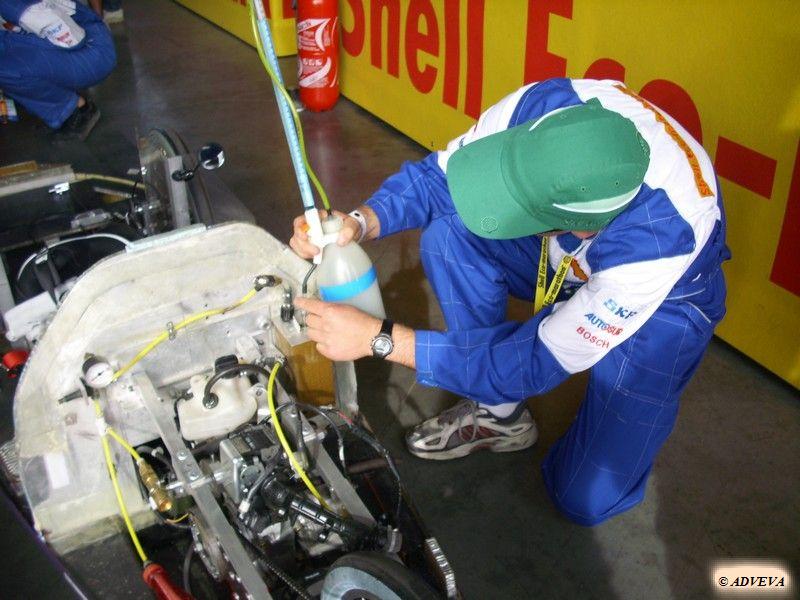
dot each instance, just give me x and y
(543, 299)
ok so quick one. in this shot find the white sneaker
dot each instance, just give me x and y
(467, 428)
(113, 16)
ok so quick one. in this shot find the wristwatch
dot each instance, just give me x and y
(383, 344)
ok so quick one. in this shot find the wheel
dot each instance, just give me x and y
(373, 576)
(154, 149)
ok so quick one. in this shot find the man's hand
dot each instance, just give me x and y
(350, 231)
(342, 332)
(345, 333)
(303, 247)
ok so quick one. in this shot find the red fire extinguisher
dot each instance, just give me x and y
(318, 53)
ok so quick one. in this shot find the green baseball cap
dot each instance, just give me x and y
(574, 169)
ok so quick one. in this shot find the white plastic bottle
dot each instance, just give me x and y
(346, 274)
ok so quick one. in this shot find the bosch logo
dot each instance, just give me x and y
(602, 325)
(617, 310)
(590, 338)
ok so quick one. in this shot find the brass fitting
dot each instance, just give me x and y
(155, 490)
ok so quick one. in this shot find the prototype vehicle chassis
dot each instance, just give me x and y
(237, 488)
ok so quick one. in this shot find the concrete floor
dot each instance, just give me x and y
(727, 483)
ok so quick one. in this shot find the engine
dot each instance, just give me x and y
(306, 513)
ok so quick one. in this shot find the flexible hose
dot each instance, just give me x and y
(155, 455)
(272, 375)
(164, 335)
(304, 287)
(121, 441)
(337, 431)
(80, 238)
(363, 435)
(108, 178)
(276, 82)
(112, 471)
(232, 370)
(282, 438)
(339, 436)
(174, 523)
(187, 565)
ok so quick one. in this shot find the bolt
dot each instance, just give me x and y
(192, 475)
(182, 455)
(211, 401)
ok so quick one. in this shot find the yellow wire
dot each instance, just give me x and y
(186, 322)
(121, 441)
(286, 447)
(112, 471)
(313, 176)
(178, 520)
(108, 178)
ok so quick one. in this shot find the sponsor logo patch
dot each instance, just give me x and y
(591, 338)
(602, 325)
(617, 310)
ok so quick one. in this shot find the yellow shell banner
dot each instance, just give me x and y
(727, 70)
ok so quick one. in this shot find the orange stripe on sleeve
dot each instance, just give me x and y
(702, 187)
(579, 273)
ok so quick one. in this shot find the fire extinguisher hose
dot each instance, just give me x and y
(294, 134)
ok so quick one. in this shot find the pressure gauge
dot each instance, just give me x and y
(97, 373)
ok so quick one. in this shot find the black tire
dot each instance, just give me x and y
(373, 576)
(198, 193)
(173, 144)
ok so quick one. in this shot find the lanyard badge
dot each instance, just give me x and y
(546, 298)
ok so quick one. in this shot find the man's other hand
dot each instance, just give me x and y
(341, 332)
(301, 243)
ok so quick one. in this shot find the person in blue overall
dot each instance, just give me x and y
(602, 210)
(49, 50)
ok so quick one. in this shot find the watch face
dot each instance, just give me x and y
(382, 345)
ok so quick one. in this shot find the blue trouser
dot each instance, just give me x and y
(599, 467)
(45, 79)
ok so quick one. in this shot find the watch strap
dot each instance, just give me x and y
(387, 326)
(362, 223)
(385, 335)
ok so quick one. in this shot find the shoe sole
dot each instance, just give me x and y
(78, 135)
(515, 444)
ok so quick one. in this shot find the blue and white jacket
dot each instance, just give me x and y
(670, 239)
